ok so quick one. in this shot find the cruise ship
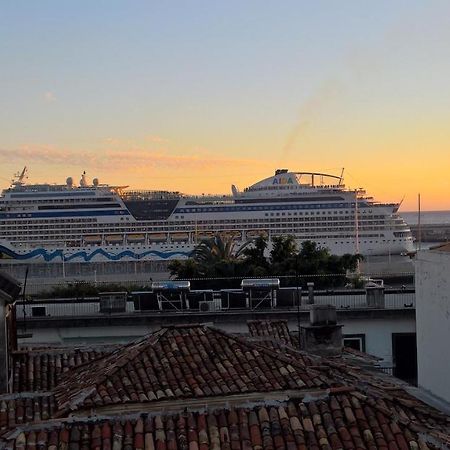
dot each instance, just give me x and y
(94, 222)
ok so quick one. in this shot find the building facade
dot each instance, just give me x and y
(433, 320)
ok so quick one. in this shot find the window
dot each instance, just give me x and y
(355, 341)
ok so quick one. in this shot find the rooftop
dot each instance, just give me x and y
(40, 369)
(182, 362)
(197, 387)
(334, 421)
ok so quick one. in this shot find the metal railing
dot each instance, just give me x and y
(222, 301)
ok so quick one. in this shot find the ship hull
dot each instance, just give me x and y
(164, 252)
(59, 224)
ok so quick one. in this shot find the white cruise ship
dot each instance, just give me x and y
(96, 222)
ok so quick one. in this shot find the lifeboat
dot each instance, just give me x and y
(179, 237)
(93, 239)
(253, 234)
(157, 237)
(135, 238)
(203, 235)
(114, 239)
(235, 235)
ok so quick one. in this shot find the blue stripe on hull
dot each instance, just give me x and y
(58, 254)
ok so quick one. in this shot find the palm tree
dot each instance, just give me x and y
(219, 257)
(217, 248)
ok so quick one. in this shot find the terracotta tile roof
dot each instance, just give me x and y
(40, 369)
(271, 329)
(276, 334)
(343, 421)
(16, 409)
(182, 362)
(352, 368)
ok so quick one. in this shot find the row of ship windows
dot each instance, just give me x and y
(301, 227)
(53, 201)
(287, 222)
(44, 224)
(280, 229)
(233, 208)
(312, 213)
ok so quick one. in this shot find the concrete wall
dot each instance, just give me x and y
(433, 322)
(377, 329)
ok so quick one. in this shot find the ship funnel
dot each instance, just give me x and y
(83, 182)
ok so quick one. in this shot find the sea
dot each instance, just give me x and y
(426, 217)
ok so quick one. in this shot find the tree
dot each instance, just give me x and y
(216, 257)
(219, 257)
(255, 259)
(184, 269)
(312, 259)
(282, 255)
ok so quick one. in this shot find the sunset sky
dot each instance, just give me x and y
(197, 95)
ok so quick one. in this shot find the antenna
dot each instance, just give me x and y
(356, 223)
(342, 176)
(24, 300)
(419, 227)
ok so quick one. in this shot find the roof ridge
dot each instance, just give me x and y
(96, 378)
(62, 350)
(266, 350)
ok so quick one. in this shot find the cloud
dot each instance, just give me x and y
(49, 97)
(120, 142)
(135, 159)
(156, 139)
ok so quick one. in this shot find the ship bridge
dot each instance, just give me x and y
(286, 181)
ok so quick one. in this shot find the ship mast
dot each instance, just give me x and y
(419, 224)
(19, 177)
(341, 178)
(356, 227)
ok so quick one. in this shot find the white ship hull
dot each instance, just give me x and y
(164, 252)
(100, 223)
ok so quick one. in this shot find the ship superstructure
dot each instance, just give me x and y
(95, 222)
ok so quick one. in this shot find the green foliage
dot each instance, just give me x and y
(283, 255)
(216, 257)
(255, 260)
(219, 258)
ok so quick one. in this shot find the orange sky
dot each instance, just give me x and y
(195, 98)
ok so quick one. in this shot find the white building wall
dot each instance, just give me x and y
(433, 322)
(378, 333)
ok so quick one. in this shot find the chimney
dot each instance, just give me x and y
(323, 336)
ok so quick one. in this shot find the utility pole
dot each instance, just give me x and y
(298, 299)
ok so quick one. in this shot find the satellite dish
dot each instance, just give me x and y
(69, 182)
(95, 182)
